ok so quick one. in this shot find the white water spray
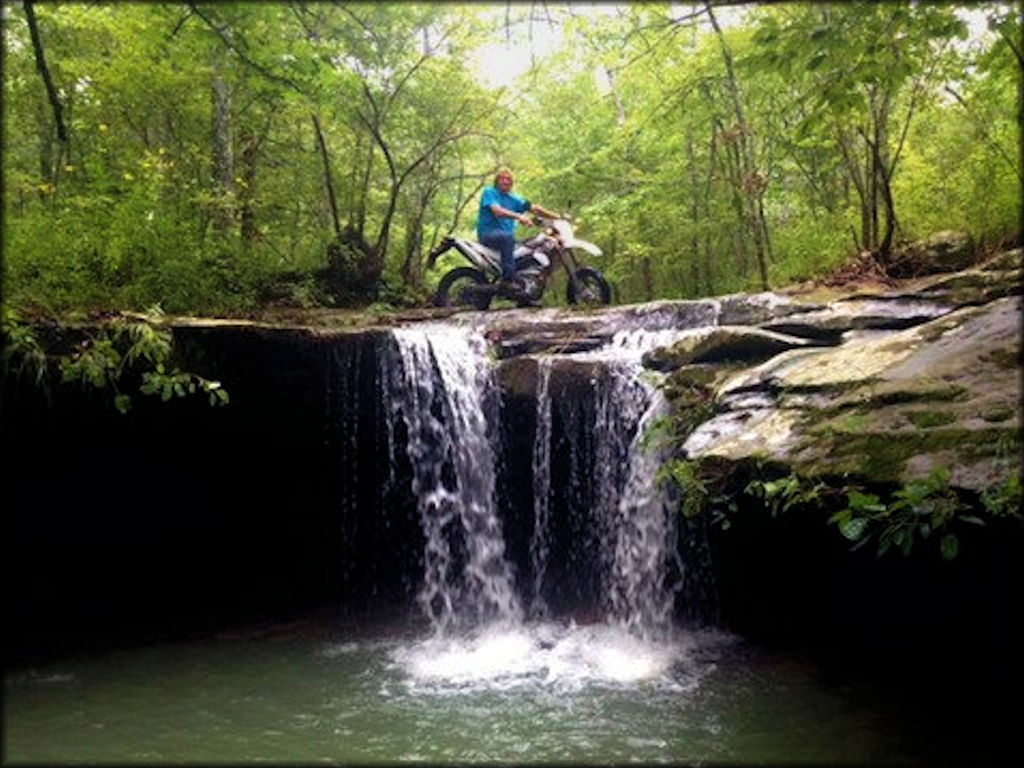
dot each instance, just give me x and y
(440, 384)
(541, 464)
(444, 379)
(643, 570)
(642, 587)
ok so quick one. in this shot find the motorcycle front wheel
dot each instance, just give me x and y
(589, 288)
(456, 289)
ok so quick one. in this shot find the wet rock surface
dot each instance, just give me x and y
(722, 344)
(884, 381)
(884, 405)
(884, 384)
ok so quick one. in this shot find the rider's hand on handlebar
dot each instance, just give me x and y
(525, 220)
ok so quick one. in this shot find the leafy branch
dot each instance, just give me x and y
(104, 360)
(22, 353)
(923, 509)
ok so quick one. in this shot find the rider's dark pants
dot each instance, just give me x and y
(505, 243)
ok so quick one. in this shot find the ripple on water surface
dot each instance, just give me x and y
(530, 693)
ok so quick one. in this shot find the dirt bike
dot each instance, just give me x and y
(536, 258)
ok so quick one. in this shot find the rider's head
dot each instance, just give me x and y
(503, 179)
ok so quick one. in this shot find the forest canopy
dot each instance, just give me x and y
(221, 157)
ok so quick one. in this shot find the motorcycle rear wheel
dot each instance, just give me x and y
(456, 289)
(589, 288)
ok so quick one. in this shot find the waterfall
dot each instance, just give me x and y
(601, 542)
(625, 507)
(440, 381)
(541, 465)
(621, 403)
(638, 539)
(642, 588)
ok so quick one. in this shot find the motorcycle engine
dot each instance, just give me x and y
(531, 274)
(532, 285)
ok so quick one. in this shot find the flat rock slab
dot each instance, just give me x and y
(889, 406)
(857, 314)
(718, 344)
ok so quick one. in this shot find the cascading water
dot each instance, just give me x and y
(541, 466)
(440, 384)
(641, 569)
(647, 567)
(410, 419)
(438, 389)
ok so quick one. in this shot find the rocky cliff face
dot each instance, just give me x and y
(274, 503)
(870, 387)
(882, 384)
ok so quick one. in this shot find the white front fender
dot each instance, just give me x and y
(590, 248)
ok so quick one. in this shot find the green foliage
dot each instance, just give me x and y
(1004, 500)
(927, 509)
(783, 494)
(22, 353)
(700, 491)
(109, 356)
(921, 509)
(630, 124)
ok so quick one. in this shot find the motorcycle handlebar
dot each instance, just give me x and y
(543, 221)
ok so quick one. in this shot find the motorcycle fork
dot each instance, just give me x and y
(569, 263)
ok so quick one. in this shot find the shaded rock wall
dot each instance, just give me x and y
(179, 518)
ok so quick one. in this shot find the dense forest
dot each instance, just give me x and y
(221, 157)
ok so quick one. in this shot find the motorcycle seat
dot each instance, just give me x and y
(471, 248)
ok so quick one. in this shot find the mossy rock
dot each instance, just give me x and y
(946, 251)
(890, 407)
(1007, 260)
(976, 457)
(976, 286)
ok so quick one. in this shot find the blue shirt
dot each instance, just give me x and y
(488, 222)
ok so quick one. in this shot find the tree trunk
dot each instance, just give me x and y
(44, 70)
(648, 279)
(880, 155)
(46, 142)
(860, 184)
(709, 274)
(353, 180)
(691, 163)
(410, 269)
(247, 214)
(223, 160)
(872, 171)
(764, 229)
(328, 182)
(883, 182)
(748, 175)
(412, 266)
(620, 110)
(364, 190)
(732, 172)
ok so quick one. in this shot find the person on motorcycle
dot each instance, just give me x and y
(500, 209)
